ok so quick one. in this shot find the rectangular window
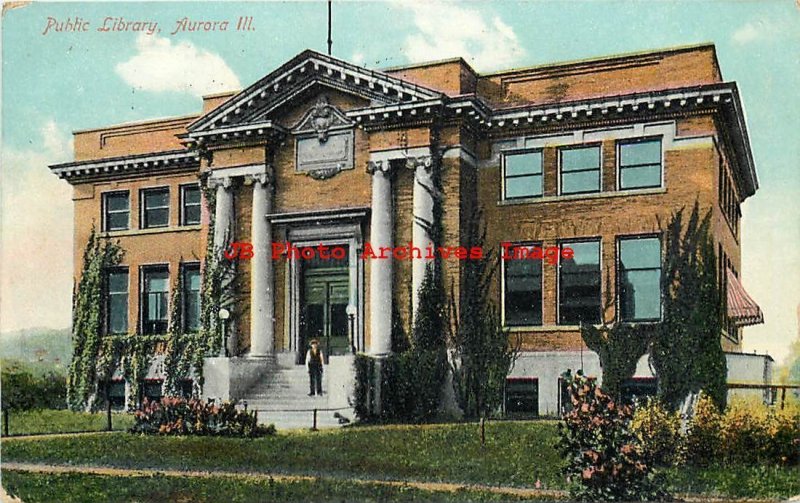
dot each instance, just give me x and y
(190, 205)
(116, 211)
(522, 291)
(640, 279)
(639, 164)
(580, 169)
(117, 301)
(155, 208)
(155, 292)
(522, 175)
(579, 284)
(522, 396)
(191, 297)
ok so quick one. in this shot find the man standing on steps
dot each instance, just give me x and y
(314, 362)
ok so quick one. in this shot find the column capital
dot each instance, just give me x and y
(383, 166)
(223, 181)
(422, 161)
(266, 178)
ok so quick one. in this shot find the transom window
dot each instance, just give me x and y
(190, 205)
(117, 301)
(580, 169)
(155, 290)
(155, 208)
(522, 176)
(116, 211)
(639, 163)
(640, 279)
(579, 284)
(522, 303)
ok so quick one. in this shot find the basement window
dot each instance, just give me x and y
(522, 397)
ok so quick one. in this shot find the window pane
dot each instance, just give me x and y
(523, 292)
(586, 181)
(191, 295)
(191, 215)
(117, 221)
(157, 281)
(640, 253)
(643, 152)
(118, 313)
(579, 285)
(118, 282)
(157, 218)
(640, 296)
(528, 163)
(155, 198)
(191, 195)
(117, 202)
(525, 186)
(580, 158)
(642, 176)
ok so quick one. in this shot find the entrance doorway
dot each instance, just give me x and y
(324, 297)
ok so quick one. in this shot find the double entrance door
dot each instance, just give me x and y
(325, 294)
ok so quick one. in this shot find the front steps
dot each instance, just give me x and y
(281, 395)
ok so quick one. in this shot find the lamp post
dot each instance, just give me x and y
(223, 315)
(351, 316)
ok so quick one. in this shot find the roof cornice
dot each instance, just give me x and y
(127, 165)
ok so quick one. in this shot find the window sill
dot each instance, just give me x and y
(546, 328)
(573, 197)
(159, 230)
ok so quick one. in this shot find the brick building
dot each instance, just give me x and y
(594, 155)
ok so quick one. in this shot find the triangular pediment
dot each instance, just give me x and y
(258, 103)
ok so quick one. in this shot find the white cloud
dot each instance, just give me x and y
(36, 239)
(448, 30)
(160, 65)
(358, 58)
(746, 34)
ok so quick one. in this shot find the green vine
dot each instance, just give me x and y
(99, 255)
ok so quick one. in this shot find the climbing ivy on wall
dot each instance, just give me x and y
(87, 318)
(98, 358)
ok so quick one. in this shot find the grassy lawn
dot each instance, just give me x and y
(46, 488)
(516, 454)
(62, 421)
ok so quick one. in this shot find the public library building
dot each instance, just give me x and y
(594, 155)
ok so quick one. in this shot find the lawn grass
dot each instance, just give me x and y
(62, 421)
(515, 453)
(82, 488)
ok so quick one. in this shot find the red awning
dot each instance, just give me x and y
(742, 309)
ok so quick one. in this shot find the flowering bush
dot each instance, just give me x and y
(604, 458)
(658, 432)
(179, 416)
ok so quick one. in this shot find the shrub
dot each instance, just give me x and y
(178, 416)
(603, 456)
(783, 428)
(658, 432)
(24, 390)
(703, 438)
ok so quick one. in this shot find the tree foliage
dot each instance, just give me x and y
(687, 348)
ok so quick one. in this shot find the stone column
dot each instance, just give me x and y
(262, 292)
(223, 236)
(380, 272)
(223, 214)
(423, 219)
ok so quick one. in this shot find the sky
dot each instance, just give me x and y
(56, 82)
